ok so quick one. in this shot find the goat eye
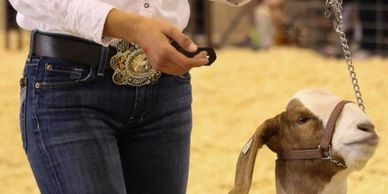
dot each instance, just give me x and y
(302, 120)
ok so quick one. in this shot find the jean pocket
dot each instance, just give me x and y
(59, 74)
(22, 111)
(185, 78)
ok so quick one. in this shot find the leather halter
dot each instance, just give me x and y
(324, 149)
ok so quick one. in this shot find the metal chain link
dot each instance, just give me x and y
(336, 162)
(335, 7)
(332, 159)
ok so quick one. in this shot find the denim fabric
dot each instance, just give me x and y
(83, 134)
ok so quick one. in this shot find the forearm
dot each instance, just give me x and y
(122, 25)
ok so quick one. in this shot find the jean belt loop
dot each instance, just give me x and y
(32, 45)
(103, 61)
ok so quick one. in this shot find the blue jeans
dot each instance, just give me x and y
(84, 134)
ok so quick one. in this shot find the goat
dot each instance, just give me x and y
(300, 127)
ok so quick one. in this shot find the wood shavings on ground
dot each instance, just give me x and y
(231, 98)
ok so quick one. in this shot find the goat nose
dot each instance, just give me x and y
(367, 127)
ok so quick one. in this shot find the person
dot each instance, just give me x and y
(266, 16)
(89, 122)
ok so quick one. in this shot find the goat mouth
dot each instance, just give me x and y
(371, 141)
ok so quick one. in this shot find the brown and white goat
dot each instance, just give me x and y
(301, 126)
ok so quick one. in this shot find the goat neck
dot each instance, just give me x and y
(310, 177)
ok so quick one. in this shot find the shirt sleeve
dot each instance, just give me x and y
(83, 17)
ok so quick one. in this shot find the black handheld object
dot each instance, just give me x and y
(210, 52)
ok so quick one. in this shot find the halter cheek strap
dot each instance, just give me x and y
(323, 151)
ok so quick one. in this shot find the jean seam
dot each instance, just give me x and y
(23, 108)
(40, 141)
(74, 72)
(65, 84)
(146, 106)
(134, 104)
(43, 149)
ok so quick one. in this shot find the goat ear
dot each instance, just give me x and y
(246, 160)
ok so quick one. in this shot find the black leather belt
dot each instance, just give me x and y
(70, 48)
(86, 52)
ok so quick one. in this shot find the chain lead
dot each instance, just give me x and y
(332, 159)
(335, 7)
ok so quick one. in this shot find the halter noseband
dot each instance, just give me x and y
(324, 149)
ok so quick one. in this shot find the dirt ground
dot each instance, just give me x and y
(231, 98)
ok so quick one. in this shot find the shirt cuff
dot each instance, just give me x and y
(87, 18)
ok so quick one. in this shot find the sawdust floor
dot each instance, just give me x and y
(231, 98)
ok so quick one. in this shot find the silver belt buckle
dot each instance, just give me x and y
(131, 66)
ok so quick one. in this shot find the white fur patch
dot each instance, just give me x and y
(318, 101)
(321, 103)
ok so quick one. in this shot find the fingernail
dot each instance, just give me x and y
(193, 47)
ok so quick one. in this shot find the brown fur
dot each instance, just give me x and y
(301, 176)
(286, 132)
(304, 176)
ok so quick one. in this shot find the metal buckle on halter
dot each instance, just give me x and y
(131, 66)
(330, 157)
(326, 154)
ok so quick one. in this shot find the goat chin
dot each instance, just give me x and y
(356, 160)
(321, 177)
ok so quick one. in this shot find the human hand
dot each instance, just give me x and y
(154, 36)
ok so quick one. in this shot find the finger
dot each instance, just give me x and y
(201, 55)
(178, 58)
(174, 69)
(184, 41)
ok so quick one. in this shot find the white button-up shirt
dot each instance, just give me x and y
(86, 18)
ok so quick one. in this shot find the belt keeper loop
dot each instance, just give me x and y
(103, 61)
(32, 44)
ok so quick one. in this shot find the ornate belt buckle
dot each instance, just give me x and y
(131, 66)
